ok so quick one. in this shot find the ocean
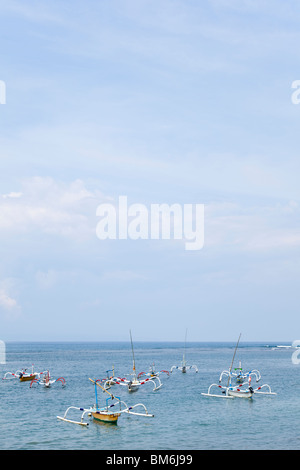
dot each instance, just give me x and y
(183, 419)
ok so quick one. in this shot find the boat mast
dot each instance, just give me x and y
(230, 368)
(96, 395)
(134, 372)
(184, 351)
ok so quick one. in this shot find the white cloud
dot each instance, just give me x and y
(8, 303)
(12, 194)
(51, 207)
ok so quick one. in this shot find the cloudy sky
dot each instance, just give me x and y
(168, 101)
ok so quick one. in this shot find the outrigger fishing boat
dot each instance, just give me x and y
(230, 391)
(152, 372)
(46, 380)
(239, 375)
(184, 367)
(104, 414)
(133, 383)
(22, 375)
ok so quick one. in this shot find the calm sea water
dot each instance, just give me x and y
(184, 419)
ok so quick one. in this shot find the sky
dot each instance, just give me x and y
(174, 102)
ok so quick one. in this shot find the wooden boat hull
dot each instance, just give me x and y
(105, 417)
(25, 378)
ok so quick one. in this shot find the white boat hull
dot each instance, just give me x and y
(240, 393)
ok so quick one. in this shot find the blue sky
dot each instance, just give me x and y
(165, 102)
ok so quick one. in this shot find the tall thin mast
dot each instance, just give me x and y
(229, 376)
(184, 351)
(132, 354)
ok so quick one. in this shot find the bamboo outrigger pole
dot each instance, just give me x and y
(96, 383)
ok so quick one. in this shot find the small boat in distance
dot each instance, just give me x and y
(184, 367)
(46, 380)
(22, 375)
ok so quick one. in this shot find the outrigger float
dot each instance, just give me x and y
(184, 367)
(45, 380)
(230, 391)
(104, 414)
(22, 375)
